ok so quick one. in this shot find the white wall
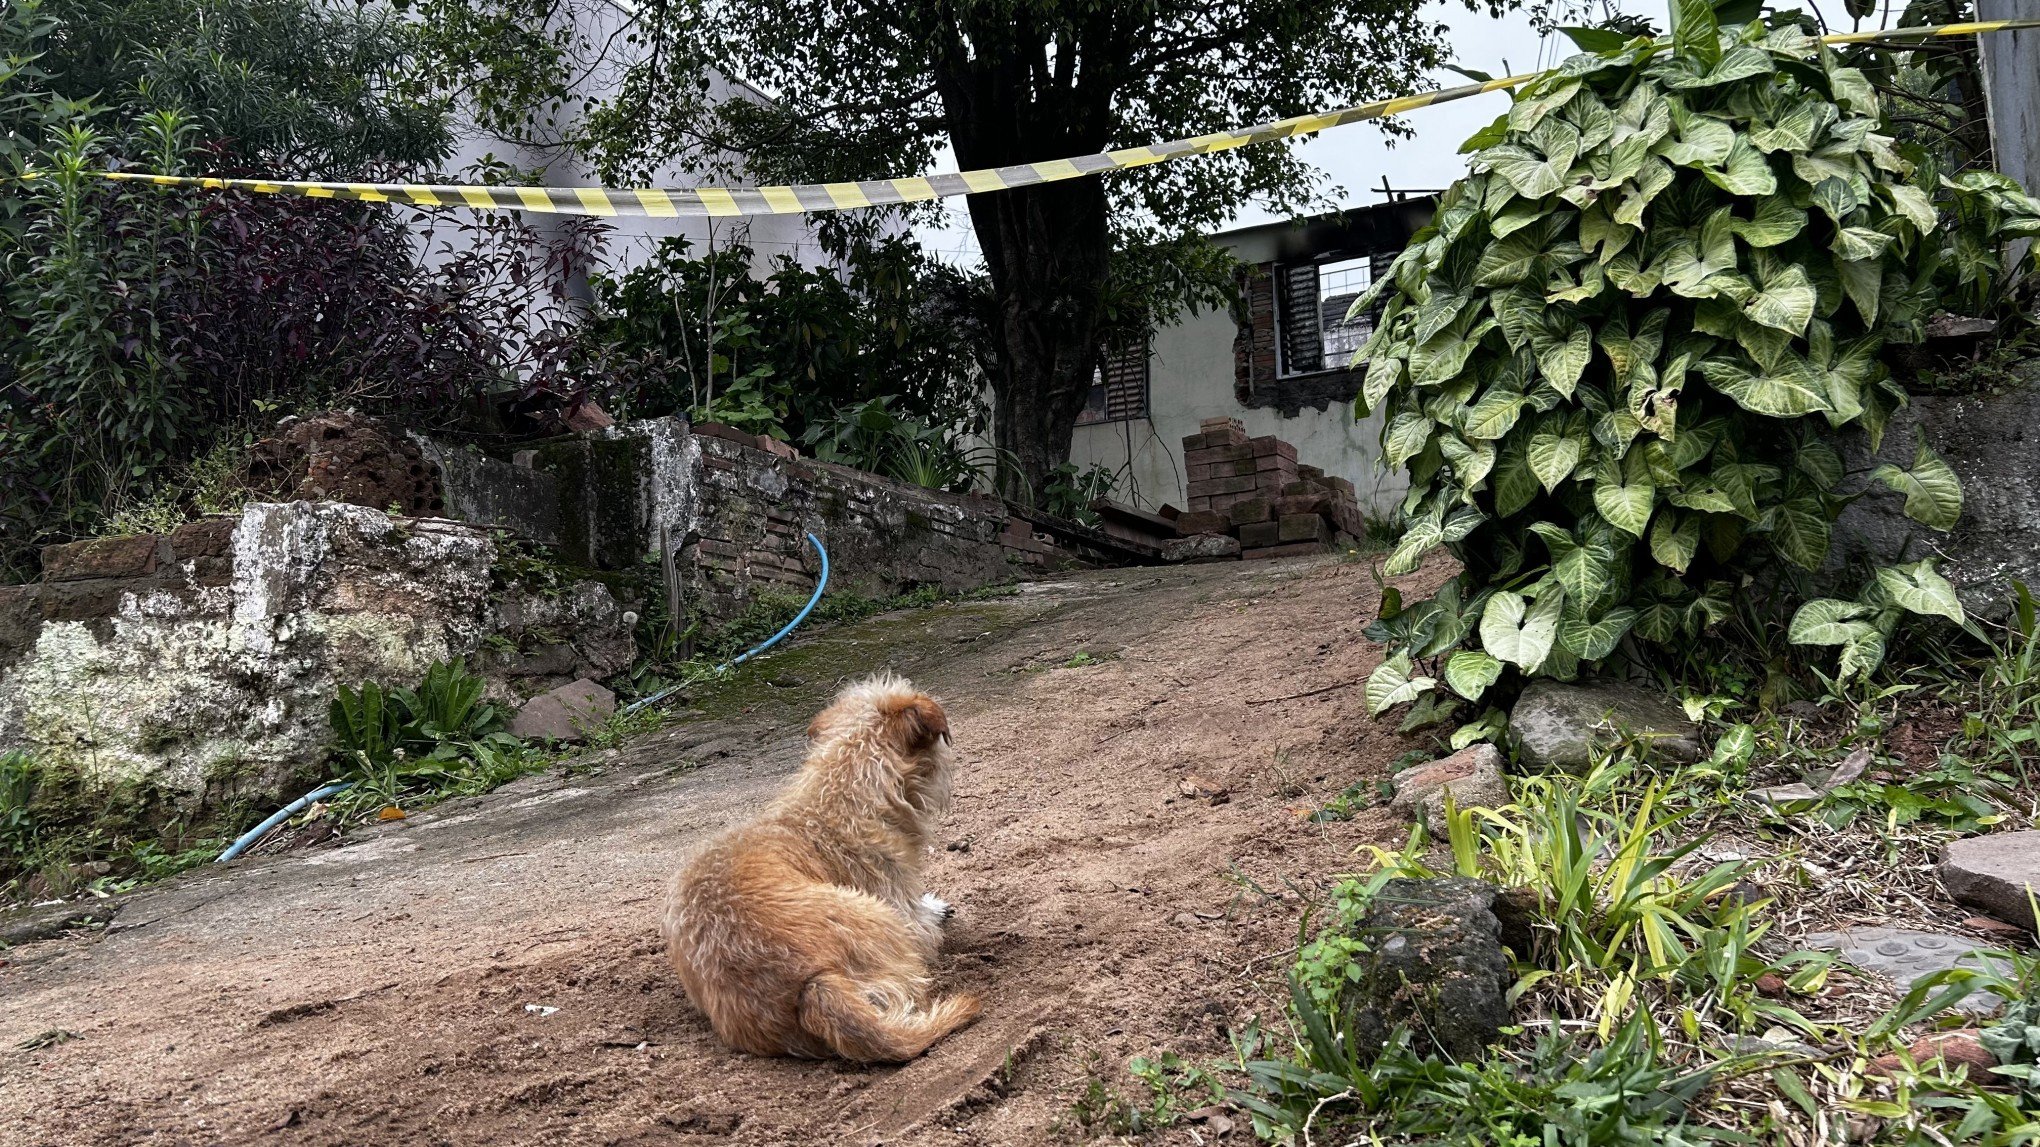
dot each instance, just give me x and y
(1190, 378)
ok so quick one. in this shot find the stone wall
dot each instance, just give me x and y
(1992, 442)
(744, 532)
(216, 649)
(734, 511)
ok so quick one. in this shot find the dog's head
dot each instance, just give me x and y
(901, 729)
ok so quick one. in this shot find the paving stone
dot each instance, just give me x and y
(1902, 956)
(1997, 872)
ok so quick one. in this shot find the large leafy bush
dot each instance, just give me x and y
(1613, 363)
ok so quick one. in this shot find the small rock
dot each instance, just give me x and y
(1560, 727)
(1996, 873)
(1956, 1049)
(1472, 776)
(1185, 920)
(1204, 789)
(1771, 984)
(565, 713)
(1200, 548)
(1434, 960)
(1903, 956)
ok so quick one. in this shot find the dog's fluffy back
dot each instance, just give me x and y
(801, 933)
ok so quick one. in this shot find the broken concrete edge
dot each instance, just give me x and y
(47, 921)
(1998, 872)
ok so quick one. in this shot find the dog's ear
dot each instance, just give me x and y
(915, 722)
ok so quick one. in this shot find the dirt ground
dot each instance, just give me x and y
(399, 989)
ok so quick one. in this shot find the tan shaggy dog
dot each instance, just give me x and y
(807, 932)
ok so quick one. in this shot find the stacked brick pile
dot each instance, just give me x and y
(1253, 489)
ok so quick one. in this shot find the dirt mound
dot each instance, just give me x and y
(341, 456)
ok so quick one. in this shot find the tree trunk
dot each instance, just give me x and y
(1047, 248)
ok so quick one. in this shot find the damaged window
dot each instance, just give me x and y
(1314, 331)
(1119, 385)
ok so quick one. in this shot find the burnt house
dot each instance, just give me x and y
(1280, 359)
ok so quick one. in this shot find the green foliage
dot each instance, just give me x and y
(62, 833)
(876, 436)
(1068, 492)
(1563, 1090)
(1612, 363)
(787, 352)
(404, 745)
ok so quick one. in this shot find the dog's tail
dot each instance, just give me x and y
(874, 1023)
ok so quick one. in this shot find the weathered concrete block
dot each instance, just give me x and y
(1472, 777)
(1434, 961)
(1998, 872)
(482, 491)
(1200, 548)
(179, 675)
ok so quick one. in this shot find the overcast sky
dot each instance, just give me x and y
(1358, 156)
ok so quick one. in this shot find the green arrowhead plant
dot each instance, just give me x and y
(1614, 362)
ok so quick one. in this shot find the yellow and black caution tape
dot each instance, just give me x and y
(811, 197)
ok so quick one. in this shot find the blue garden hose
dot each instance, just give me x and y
(820, 584)
(298, 805)
(278, 817)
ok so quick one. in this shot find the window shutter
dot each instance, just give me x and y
(1124, 374)
(1302, 343)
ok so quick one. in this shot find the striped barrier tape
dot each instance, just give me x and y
(812, 197)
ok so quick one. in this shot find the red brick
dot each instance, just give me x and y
(205, 538)
(1296, 505)
(1310, 472)
(1197, 472)
(1203, 522)
(1271, 482)
(1260, 534)
(1254, 509)
(1304, 486)
(1289, 550)
(1197, 502)
(1206, 455)
(726, 433)
(1343, 487)
(1240, 485)
(1275, 464)
(1304, 528)
(1222, 422)
(1227, 501)
(1269, 446)
(101, 557)
(1350, 519)
(1230, 436)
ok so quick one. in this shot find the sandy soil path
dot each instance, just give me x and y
(377, 993)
